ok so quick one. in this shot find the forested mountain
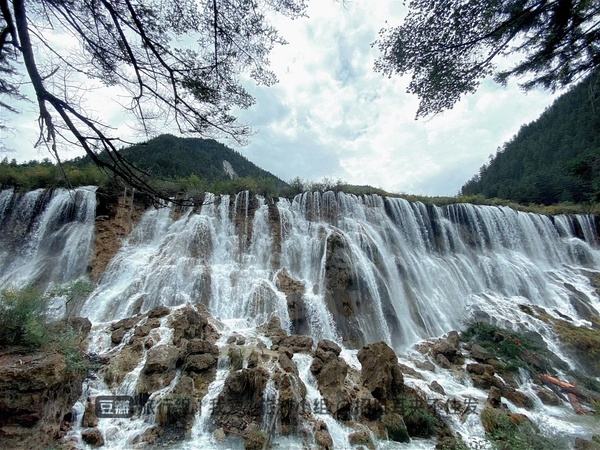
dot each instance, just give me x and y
(171, 157)
(174, 164)
(555, 158)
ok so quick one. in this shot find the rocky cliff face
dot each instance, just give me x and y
(117, 213)
(37, 392)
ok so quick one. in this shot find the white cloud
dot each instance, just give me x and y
(332, 115)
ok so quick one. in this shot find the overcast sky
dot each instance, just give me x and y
(332, 116)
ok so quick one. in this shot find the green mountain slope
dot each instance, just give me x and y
(171, 157)
(555, 158)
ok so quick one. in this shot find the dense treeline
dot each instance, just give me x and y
(555, 158)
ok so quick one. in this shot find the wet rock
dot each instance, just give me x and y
(236, 358)
(80, 325)
(294, 292)
(287, 364)
(437, 387)
(425, 365)
(494, 397)
(447, 347)
(291, 394)
(479, 353)
(547, 396)
(200, 363)
(272, 328)
(117, 336)
(189, 323)
(326, 345)
(486, 381)
(123, 363)
(361, 437)
(177, 409)
(255, 440)
(331, 375)
(584, 444)
(125, 323)
(380, 371)
(343, 296)
(198, 346)
(240, 403)
(219, 435)
(93, 437)
(159, 369)
(517, 398)
(161, 358)
(481, 369)
(148, 343)
(322, 436)
(294, 342)
(442, 361)
(237, 339)
(395, 427)
(37, 390)
(89, 420)
(159, 311)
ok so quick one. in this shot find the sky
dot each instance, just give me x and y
(331, 115)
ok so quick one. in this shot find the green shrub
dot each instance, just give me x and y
(22, 318)
(23, 324)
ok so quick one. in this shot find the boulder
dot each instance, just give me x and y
(296, 343)
(361, 437)
(200, 363)
(240, 403)
(189, 323)
(294, 294)
(517, 398)
(326, 345)
(395, 427)
(479, 353)
(330, 372)
(547, 396)
(437, 387)
(93, 437)
(380, 371)
(158, 311)
(322, 436)
(198, 346)
(161, 358)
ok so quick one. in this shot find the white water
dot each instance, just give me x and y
(46, 236)
(418, 271)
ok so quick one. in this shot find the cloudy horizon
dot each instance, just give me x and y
(331, 115)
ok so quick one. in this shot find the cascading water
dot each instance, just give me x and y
(371, 268)
(417, 271)
(46, 236)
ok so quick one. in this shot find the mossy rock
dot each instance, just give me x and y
(582, 342)
(509, 431)
(395, 427)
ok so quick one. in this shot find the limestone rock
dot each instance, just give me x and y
(380, 371)
(296, 343)
(240, 403)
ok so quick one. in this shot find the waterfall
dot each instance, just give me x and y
(46, 236)
(412, 271)
(358, 269)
